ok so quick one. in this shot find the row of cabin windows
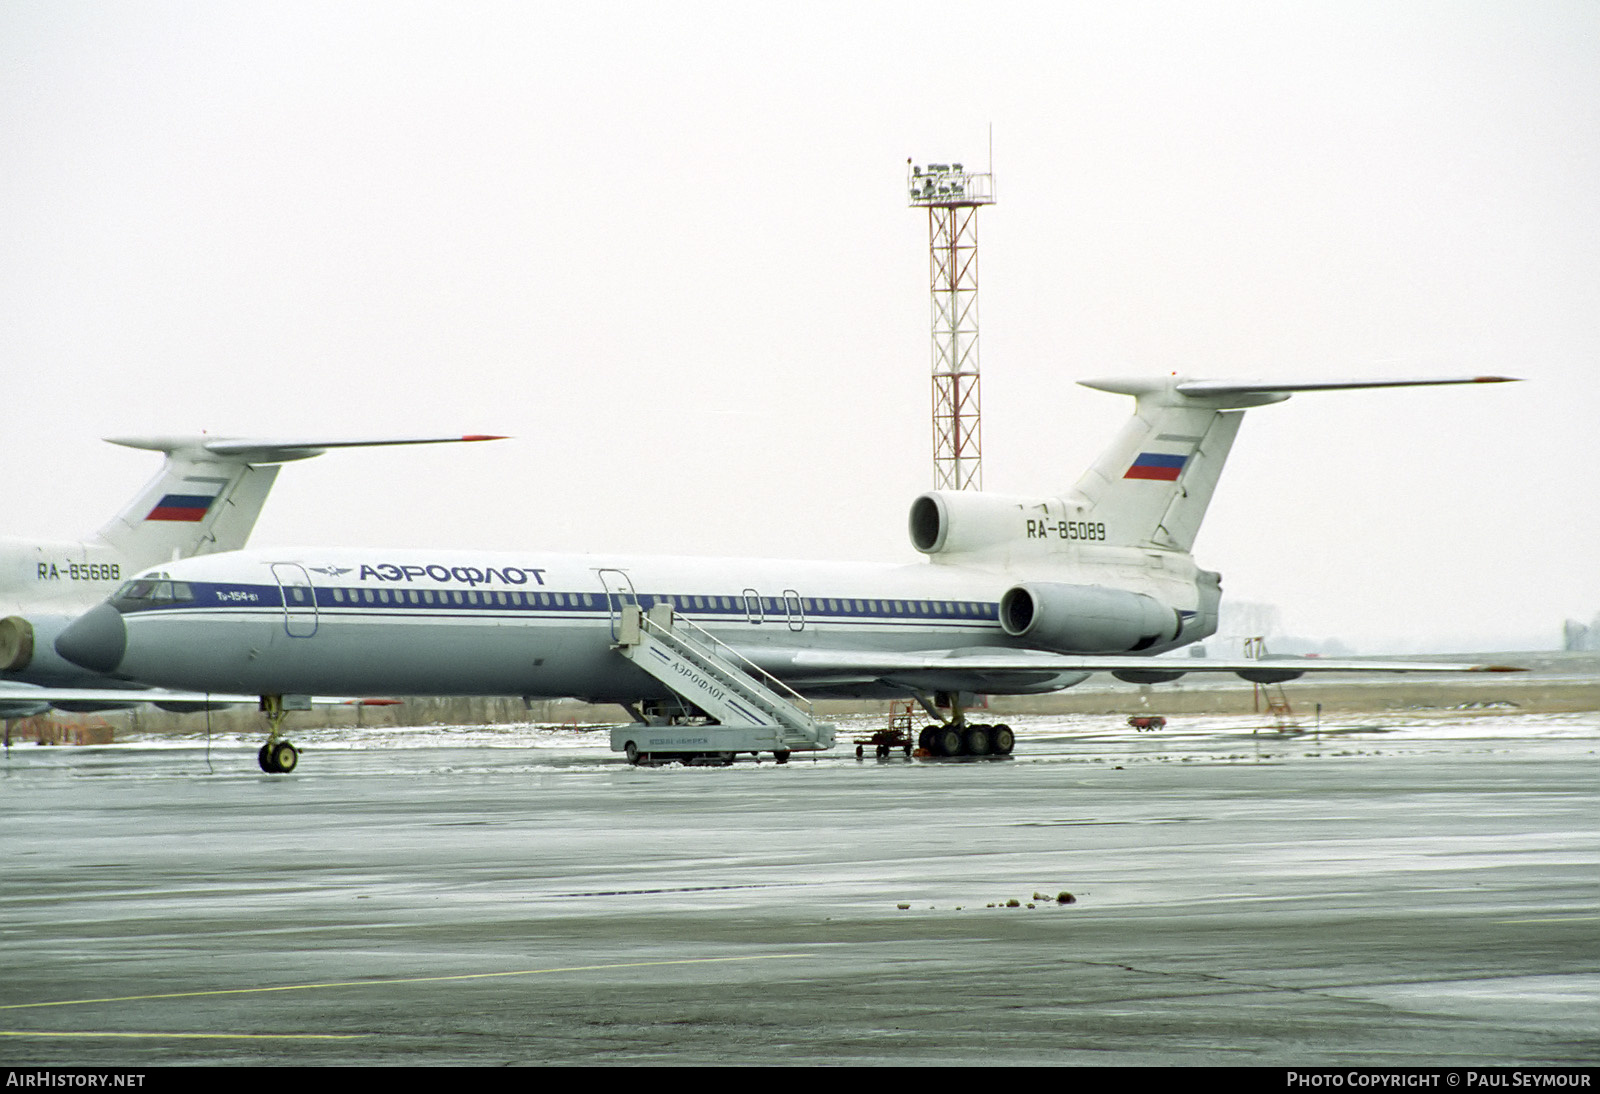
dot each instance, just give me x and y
(765, 605)
(179, 592)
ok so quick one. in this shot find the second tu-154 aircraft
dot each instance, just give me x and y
(1018, 595)
(205, 499)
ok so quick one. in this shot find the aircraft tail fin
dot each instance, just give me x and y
(1151, 487)
(210, 490)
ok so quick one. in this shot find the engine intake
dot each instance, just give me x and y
(1086, 618)
(947, 522)
(28, 644)
(16, 643)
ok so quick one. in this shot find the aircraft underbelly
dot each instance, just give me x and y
(255, 652)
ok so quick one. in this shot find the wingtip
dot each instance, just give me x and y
(485, 437)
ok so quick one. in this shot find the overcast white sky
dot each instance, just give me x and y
(666, 246)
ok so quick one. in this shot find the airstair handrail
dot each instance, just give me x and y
(649, 623)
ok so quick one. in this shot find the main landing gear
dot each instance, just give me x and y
(277, 756)
(958, 737)
(963, 739)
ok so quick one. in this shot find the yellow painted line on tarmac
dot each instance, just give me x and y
(383, 983)
(188, 1036)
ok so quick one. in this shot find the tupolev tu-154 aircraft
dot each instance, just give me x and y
(1017, 595)
(205, 499)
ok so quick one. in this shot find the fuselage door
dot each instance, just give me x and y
(299, 599)
(793, 608)
(753, 611)
(619, 593)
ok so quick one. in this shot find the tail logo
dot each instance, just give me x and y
(188, 508)
(1157, 466)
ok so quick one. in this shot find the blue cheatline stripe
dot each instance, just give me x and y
(950, 613)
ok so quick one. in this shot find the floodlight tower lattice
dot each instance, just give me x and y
(952, 197)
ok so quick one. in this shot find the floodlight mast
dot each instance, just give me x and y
(952, 197)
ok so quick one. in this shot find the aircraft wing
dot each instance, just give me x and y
(23, 700)
(979, 670)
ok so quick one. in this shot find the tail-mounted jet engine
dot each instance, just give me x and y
(951, 523)
(28, 644)
(1086, 618)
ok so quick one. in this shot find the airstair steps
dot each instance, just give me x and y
(764, 714)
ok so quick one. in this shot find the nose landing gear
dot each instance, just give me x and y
(277, 756)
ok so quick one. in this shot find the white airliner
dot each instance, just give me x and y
(1017, 595)
(205, 499)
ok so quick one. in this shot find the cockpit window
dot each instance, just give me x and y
(151, 593)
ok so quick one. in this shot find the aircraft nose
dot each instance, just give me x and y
(96, 640)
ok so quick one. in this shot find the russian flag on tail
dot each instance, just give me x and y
(190, 508)
(1157, 466)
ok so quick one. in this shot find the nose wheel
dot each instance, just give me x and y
(277, 756)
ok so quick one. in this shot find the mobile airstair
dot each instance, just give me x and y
(1271, 696)
(732, 705)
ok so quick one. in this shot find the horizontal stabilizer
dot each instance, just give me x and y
(210, 490)
(1247, 393)
(1194, 388)
(276, 449)
(1152, 486)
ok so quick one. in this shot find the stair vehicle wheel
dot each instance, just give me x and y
(631, 751)
(781, 757)
(284, 757)
(1004, 740)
